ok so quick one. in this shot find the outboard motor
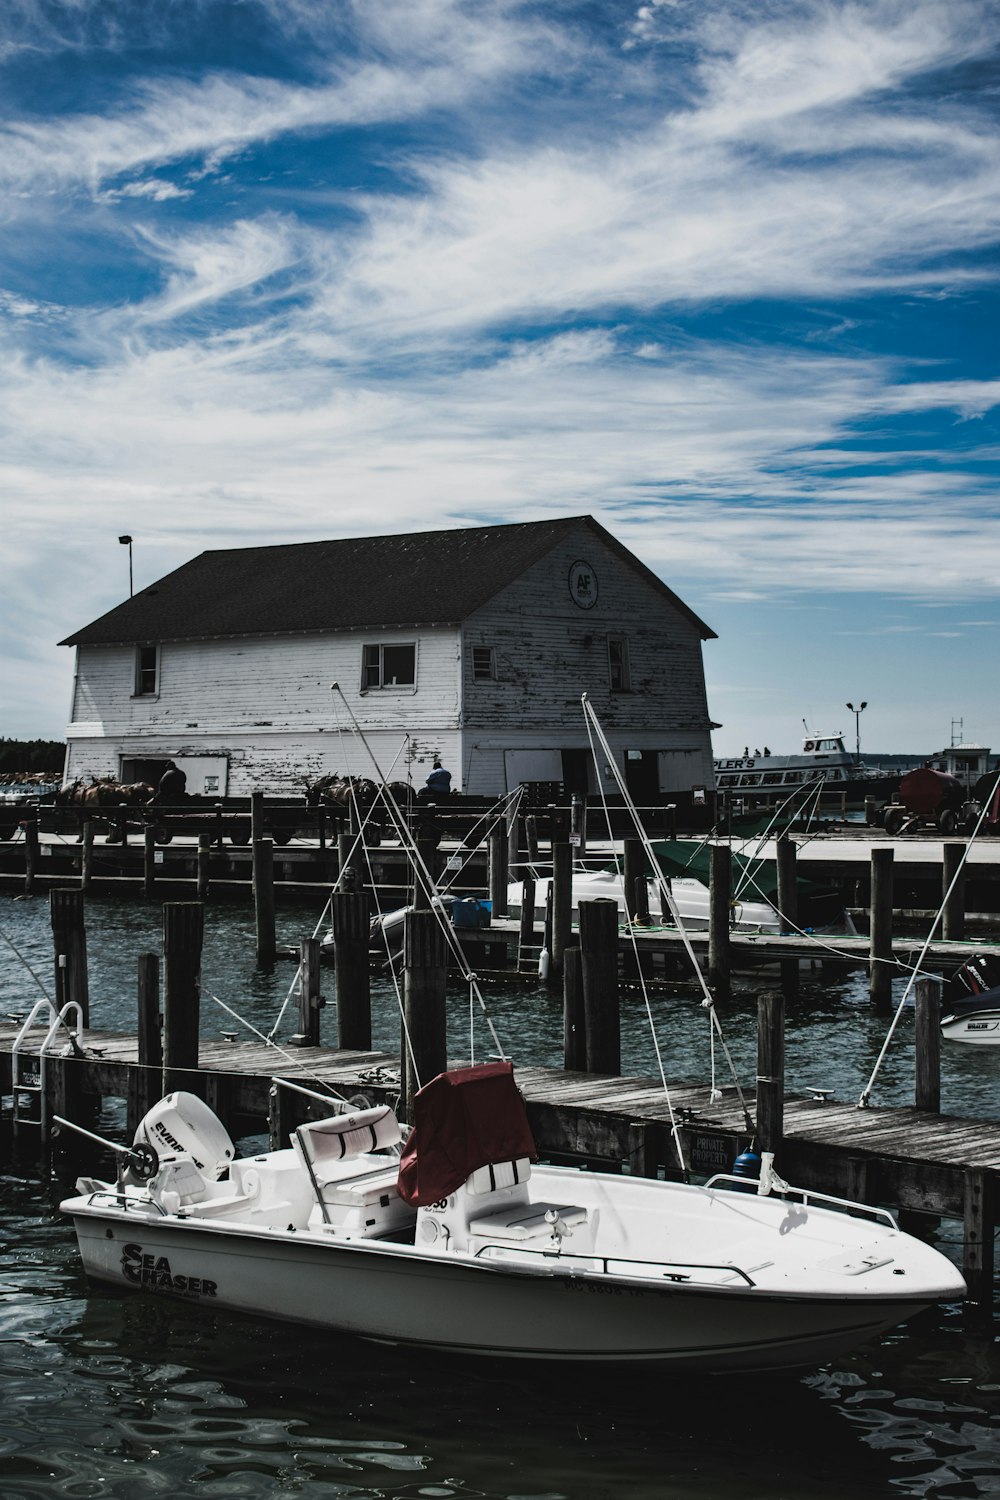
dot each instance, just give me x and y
(183, 1125)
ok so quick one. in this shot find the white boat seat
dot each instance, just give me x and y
(323, 1145)
(365, 1190)
(499, 1174)
(178, 1184)
(526, 1221)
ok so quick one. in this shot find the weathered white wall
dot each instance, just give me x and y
(267, 706)
(549, 652)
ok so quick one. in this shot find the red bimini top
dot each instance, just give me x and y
(463, 1120)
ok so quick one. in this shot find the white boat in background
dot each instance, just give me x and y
(463, 1244)
(824, 762)
(690, 897)
(970, 1007)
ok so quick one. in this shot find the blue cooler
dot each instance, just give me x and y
(470, 913)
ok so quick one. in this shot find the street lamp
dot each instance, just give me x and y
(857, 712)
(126, 541)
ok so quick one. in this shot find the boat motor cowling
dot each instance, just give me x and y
(183, 1125)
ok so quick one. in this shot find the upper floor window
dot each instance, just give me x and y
(484, 664)
(147, 671)
(389, 666)
(619, 678)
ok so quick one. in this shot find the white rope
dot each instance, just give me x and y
(666, 896)
(708, 1003)
(297, 1062)
(866, 1091)
(30, 970)
(423, 875)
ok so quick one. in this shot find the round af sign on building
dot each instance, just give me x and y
(583, 585)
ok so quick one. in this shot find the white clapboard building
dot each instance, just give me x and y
(472, 645)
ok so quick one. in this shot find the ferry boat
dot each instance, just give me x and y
(823, 765)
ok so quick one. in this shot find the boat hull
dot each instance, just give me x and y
(391, 1293)
(981, 1028)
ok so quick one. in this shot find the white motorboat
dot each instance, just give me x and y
(690, 897)
(464, 1244)
(970, 1007)
(976, 1019)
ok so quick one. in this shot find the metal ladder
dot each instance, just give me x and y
(30, 1104)
(528, 955)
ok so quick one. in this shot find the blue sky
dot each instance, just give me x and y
(722, 273)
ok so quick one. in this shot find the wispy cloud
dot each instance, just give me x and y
(427, 262)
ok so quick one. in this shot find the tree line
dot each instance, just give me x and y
(32, 755)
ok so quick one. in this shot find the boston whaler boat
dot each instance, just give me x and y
(970, 1006)
(463, 1243)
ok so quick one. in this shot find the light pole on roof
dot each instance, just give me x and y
(857, 712)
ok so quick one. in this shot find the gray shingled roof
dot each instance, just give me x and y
(425, 578)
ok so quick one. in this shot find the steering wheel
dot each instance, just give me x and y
(143, 1162)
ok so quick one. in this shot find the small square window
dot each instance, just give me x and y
(147, 662)
(389, 666)
(484, 664)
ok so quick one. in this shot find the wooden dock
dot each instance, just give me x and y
(902, 1158)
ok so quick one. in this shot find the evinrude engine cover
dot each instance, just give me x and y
(183, 1125)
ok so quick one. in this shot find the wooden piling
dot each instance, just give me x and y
(86, 855)
(310, 998)
(574, 1024)
(770, 1070)
(263, 900)
(148, 862)
(562, 903)
(256, 816)
(979, 1219)
(788, 909)
(148, 1077)
(498, 877)
(927, 1043)
(204, 865)
(526, 929)
(599, 965)
(427, 848)
(953, 909)
(881, 966)
(515, 831)
(183, 932)
(31, 854)
(719, 902)
(424, 1050)
(578, 824)
(347, 872)
(69, 939)
(634, 871)
(351, 923)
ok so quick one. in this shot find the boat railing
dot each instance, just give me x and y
(807, 1197)
(617, 1265)
(109, 1198)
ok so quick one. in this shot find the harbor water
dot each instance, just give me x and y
(135, 1397)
